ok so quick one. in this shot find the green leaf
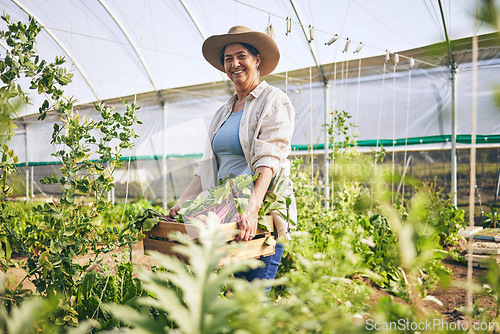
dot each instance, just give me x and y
(270, 241)
(263, 224)
(149, 223)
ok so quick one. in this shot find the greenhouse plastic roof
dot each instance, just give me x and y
(126, 47)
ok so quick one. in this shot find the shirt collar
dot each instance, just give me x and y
(259, 89)
(232, 100)
(255, 93)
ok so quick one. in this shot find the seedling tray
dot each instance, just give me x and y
(157, 239)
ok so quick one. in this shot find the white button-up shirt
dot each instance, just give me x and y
(265, 133)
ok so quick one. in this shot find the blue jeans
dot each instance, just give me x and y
(271, 262)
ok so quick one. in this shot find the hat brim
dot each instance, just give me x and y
(269, 52)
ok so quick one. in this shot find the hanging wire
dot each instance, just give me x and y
(435, 17)
(288, 25)
(357, 94)
(288, 19)
(135, 100)
(384, 24)
(288, 30)
(479, 200)
(412, 63)
(381, 104)
(472, 209)
(344, 98)
(332, 138)
(396, 61)
(346, 47)
(71, 47)
(311, 123)
(341, 104)
(311, 33)
(332, 40)
(360, 46)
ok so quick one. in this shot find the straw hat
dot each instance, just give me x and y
(269, 53)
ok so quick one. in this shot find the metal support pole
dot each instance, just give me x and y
(453, 67)
(496, 192)
(326, 163)
(26, 162)
(164, 160)
(454, 133)
(32, 183)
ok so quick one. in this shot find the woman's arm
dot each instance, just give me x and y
(249, 219)
(191, 192)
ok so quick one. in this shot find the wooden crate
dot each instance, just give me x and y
(157, 239)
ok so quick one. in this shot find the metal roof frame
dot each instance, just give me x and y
(318, 65)
(61, 45)
(136, 50)
(197, 26)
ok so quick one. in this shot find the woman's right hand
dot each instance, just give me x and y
(173, 211)
(191, 192)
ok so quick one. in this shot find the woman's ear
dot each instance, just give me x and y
(257, 60)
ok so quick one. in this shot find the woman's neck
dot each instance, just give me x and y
(242, 92)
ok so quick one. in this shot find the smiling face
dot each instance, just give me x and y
(241, 66)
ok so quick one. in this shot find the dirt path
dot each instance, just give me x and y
(453, 297)
(139, 259)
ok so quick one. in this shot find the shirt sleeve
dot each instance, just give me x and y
(273, 143)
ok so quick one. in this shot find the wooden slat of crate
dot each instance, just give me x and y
(160, 246)
(250, 249)
(163, 229)
(492, 248)
(481, 261)
(246, 250)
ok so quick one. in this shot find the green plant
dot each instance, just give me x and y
(81, 175)
(341, 128)
(492, 219)
(21, 60)
(320, 298)
(445, 218)
(29, 315)
(56, 233)
(95, 290)
(491, 287)
(187, 298)
(362, 220)
(67, 228)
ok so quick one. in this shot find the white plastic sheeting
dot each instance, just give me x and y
(123, 47)
(152, 48)
(379, 108)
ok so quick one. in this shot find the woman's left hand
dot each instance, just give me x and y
(249, 219)
(248, 225)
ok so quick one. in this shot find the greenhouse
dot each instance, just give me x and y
(395, 164)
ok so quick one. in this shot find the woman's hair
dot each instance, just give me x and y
(251, 49)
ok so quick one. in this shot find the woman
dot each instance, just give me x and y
(249, 134)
